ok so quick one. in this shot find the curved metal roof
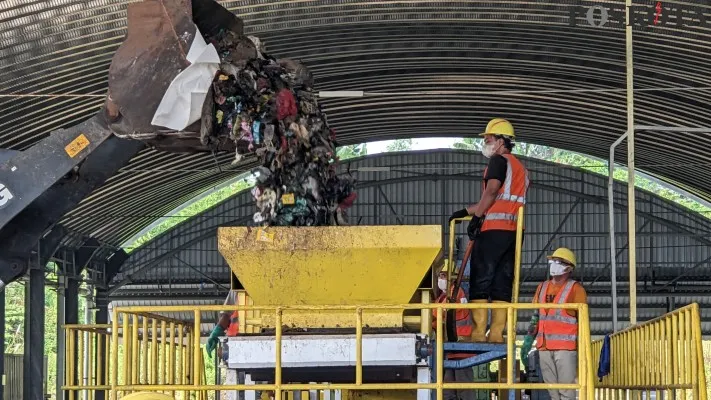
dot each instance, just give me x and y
(460, 63)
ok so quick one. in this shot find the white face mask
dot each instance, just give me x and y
(489, 150)
(557, 268)
(442, 284)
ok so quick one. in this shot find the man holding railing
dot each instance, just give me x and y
(556, 332)
(493, 229)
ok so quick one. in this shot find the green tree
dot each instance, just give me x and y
(400, 145)
(352, 151)
(196, 207)
(474, 144)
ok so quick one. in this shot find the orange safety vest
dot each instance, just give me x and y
(464, 324)
(502, 215)
(556, 328)
(233, 329)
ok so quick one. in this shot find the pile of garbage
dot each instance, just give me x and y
(268, 108)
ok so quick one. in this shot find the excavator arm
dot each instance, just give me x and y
(38, 186)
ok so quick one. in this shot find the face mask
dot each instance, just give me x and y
(442, 284)
(557, 268)
(489, 150)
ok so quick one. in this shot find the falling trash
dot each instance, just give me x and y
(268, 108)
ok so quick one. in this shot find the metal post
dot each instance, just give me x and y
(102, 317)
(2, 345)
(34, 336)
(61, 337)
(631, 210)
(71, 313)
(87, 320)
(611, 213)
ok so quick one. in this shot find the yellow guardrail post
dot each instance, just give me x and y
(144, 351)
(171, 356)
(277, 359)
(440, 354)
(197, 350)
(114, 353)
(359, 346)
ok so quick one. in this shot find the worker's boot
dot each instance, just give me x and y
(479, 316)
(498, 323)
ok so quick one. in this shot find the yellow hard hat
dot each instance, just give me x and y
(499, 126)
(566, 255)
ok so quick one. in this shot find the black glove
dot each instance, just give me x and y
(459, 214)
(473, 228)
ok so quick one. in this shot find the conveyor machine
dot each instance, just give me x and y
(368, 266)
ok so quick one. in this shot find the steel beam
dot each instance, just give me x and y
(34, 336)
(50, 243)
(85, 253)
(46, 183)
(71, 308)
(30, 173)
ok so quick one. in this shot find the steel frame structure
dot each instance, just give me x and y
(573, 201)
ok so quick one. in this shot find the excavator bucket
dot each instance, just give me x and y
(331, 265)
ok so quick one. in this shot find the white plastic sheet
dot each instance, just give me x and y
(182, 102)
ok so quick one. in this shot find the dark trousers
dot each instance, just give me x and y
(492, 266)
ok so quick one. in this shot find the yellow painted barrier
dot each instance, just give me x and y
(152, 349)
(187, 387)
(95, 340)
(659, 359)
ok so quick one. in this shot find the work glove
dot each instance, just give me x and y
(459, 214)
(213, 339)
(525, 349)
(473, 228)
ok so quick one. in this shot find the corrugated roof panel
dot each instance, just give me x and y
(463, 50)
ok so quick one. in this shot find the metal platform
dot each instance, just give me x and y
(481, 353)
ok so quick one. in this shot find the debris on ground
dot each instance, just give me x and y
(268, 108)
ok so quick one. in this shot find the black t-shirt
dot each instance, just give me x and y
(496, 169)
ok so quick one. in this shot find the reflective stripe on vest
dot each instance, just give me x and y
(557, 330)
(503, 214)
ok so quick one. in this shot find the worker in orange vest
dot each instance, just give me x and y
(227, 325)
(557, 331)
(464, 330)
(493, 228)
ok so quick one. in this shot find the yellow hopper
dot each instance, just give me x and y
(354, 265)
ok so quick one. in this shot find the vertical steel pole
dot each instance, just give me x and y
(61, 337)
(631, 214)
(611, 213)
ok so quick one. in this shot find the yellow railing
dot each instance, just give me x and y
(188, 387)
(661, 355)
(143, 349)
(84, 380)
